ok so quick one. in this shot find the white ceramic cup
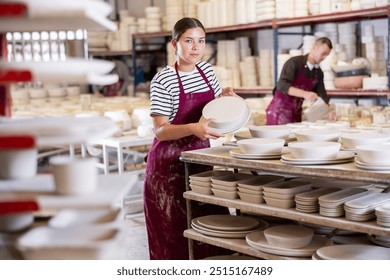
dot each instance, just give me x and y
(18, 163)
(73, 175)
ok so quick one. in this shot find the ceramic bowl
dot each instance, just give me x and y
(15, 221)
(374, 154)
(225, 194)
(350, 82)
(37, 93)
(317, 135)
(280, 203)
(261, 145)
(352, 140)
(314, 149)
(270, 131)
(289, 236)
(252, 198)
(200, 189)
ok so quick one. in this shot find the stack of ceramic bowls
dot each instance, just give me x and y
(282, 194)
(352, 252)
(332, 205)
(383, 215)
(262, 147)
(174, 10)
(251, 190)
(363, 208)
(201, 182)
(372, 157)
(301, 8)
(153, 19)
(225, 186)
(227, 226)
(265, 10)
(228, 114)
(308, 201)
(287, 240)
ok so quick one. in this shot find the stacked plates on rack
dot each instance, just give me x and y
(308, 201)
(251, 190)
(352, 252)
(341, 157)
(282, 194)
(332, 205)
(383, 215)
(229, 114)
(380, 240)
(225, 186)
(363, 208)
(373, 157)
(201, 182)
(258, 241)
(227, 226)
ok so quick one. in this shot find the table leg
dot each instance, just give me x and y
(120, 159)
(189, 213)
(105, 159)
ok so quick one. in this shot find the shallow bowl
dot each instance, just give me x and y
(261, 145)
(374, 154)
(289, 236)
(270, 131)
(314, 149)
(317, 135)
(352, 140)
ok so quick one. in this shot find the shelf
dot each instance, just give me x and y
(369, 227)
(109, 53)
(380, 12)
(238, 245)
(331, 92)
(219, 156)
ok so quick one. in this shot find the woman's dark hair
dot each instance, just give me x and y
(324, 40)
(183, 25)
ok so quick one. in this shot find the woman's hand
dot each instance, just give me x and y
(310, 96)
(228, 91)
(203, 131)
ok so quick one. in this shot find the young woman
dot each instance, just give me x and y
(177, 96)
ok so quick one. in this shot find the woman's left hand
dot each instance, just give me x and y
(228, 91)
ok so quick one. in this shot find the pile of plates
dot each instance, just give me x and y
(341, 157)
(227, 226)
(229, 114)
(258, 241)
(363, 208)
(332, 205)
(380, 240)
(383, 215)
(225, 186)
(308, 201)
(352, 252)
(282, 194)
(251, 190)
(201, 182)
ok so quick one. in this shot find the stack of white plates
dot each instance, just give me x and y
(225, 186)
(372, 157)
(258, 241)
(383, 215)
(380, 240)
(227, 226)
(201, 182)
(282, 194)
(332, 205)
(341, 157)
(229, 114)
(251, 190)
(308, 201)
(363, 208)
(352, 252)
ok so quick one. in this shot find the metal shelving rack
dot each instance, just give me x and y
(276, 24)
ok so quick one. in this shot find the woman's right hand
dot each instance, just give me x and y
(203, 131)
(310, 96)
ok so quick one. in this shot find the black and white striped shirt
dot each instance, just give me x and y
(164, 88)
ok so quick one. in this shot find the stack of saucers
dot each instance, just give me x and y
(363, 208)
(282, 194)
(251, 190)
(229, 114)
(288, 240)
(227, 226)
(201, 182)
(332, 205)
(258, 148)
(225, 186)
(308, 201)
(352, 252)
(383, 215)
(380, 240)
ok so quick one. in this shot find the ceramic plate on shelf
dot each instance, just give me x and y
(354, 252)
(228, 222)
(342, 157)
(236, 153)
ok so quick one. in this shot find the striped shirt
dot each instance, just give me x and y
(164, 88)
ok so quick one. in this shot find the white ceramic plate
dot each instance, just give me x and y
(342, 157)
(236, 153)
(236, 126)
(354, 252)
(228, 222)
(227, 109)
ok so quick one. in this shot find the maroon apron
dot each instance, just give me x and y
(165, 207)
(285, 108)
(113, 89)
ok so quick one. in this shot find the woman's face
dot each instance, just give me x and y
(191, 45)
